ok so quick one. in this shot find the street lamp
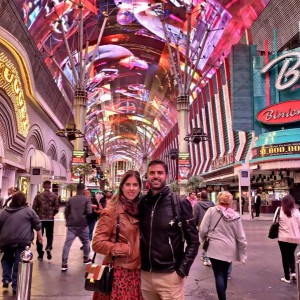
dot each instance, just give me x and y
(197, 136)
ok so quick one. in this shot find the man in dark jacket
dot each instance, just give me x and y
(76, 212)
(199, 211)
(46, 205)
(165, 260)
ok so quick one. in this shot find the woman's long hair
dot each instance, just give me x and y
(288, 204)
(128, 174)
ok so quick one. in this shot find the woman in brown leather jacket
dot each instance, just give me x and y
(126, 282)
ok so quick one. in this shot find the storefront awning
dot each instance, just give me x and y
(59, 171)
(37, 158)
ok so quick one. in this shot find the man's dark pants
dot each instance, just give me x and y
(47, 226)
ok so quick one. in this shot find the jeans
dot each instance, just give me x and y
(220, 269)
(47, 226)
(83, 234)
(10, 264)
(288, 258)
(91, 225)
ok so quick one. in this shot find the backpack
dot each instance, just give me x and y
(175, 202)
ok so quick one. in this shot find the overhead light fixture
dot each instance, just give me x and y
(70, 132)
(197, 136)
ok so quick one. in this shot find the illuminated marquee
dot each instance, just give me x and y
(276, 149)
(10, 82)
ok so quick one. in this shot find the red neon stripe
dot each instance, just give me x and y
(268, 100)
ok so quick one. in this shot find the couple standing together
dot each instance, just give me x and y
(158, 239)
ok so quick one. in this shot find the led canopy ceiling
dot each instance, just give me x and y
(132, 93)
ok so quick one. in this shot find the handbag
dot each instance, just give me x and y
(273, 231)
(205, 242)
(99, 278)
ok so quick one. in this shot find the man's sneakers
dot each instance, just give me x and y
(285, 280)
(64, 267)
(49, 255)
(41, 255)
(293, 276)
(87, 261)
(5, 284)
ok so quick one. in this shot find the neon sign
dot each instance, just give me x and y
(287, 76)
(280, 113)
(10, 82)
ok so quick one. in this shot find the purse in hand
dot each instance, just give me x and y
(99, 278)
(274, 229)
(205, 242)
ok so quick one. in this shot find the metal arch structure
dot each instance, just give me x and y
(112, 58)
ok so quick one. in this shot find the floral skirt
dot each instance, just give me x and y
(126, 286)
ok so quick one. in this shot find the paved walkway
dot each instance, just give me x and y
(258, 279)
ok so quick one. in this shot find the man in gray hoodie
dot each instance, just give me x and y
(199, 211)
(76, 212)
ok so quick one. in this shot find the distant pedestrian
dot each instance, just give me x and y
(199, 211)
(76, 212)
(16, 232)
(46, 205)
(192, 198)
(11, 191)
(227, 240)
(288, 236)
(257, 203)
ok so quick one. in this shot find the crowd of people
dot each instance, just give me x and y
(159, 234)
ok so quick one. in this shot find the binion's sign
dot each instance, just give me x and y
(288, 75)
(280, 113)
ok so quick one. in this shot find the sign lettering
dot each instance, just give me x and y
(11, 83)
(280, 113)
(222, 161)
(287, 76)
(276, 149)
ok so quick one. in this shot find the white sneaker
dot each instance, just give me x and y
(285, 280)
(293, 276)
(207, 263)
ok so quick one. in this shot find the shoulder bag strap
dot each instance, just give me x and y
(175, 202)
(218, 221)
(276, 215)
(117, 236)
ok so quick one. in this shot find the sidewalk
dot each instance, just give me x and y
(258, 279)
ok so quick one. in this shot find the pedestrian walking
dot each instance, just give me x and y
(76, 212)
(17, 223)
(288, 236)
(169, 238)
(46, 205)
(127, 262)
(199, 211)
(227, 242)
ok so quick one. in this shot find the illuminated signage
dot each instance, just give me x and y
(78, 157)
(276, 149)
(10, 82)
(280, 113)
(184, 167)
(223, 161)
(287, 75)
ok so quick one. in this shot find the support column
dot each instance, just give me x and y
(144, 165)
(183, 106)
(80, 99)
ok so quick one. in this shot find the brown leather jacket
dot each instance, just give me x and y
(127, 250)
